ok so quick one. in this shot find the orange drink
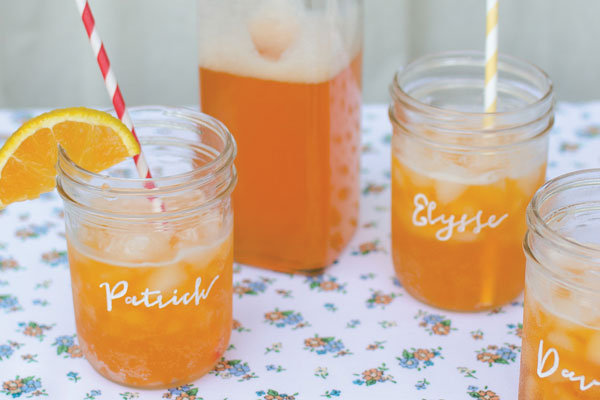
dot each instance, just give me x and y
(151, 321)
(152, 273)
(445, 264)
(561, 328)
(461, 181)
(286, 80)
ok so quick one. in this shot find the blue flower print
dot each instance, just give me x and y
(250, 287)
(373, 376)
(73, 376)
(274, 394)
(493, 354)
(506, 353)
(332, 393)
(258, 286)
(8, 301)
(176, 391)
(64, 341)
(422, 384)
(409, 363)
(239, 369)
(323, 283)
(293, 319)
(353, 323)
(281, 319)
(323, 345)
(180, 392)
(334, 346)
(433, 319)
(32, 385)
(33, 231)
(54, 258)
(18, 386)
(228, 368)
(419, 358)
(5, 351)
(276, 368)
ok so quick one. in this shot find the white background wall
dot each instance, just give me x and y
(45, 59)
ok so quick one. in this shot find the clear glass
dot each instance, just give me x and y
(561, 328)
(151, 269)
(285, 77)
(462, 179)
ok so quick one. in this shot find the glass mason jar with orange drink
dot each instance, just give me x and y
(285, 77)
(462, 179)
(151, 269)
(560, 356)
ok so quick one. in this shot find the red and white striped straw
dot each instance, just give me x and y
(111, 85)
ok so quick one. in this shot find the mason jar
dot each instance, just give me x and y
(561, 328)
(151, 259)
(285, 77)
(462, 178)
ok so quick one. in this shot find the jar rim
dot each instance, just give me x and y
(449, 58)
(220, 162)
(218, 170)
(537, 225)
(482, 149)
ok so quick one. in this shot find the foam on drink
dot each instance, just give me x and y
(278, 39)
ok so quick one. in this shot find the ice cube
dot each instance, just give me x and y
(205, 228)
(529, 179)
(561, 340)
(447, 190)
(166, 279)
(274, 28)
(138, 247)
(593, 348)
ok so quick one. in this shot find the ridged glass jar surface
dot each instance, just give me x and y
(462, 179)
(151, 260)
(560, 357)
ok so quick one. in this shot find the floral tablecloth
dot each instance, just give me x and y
(352, 333)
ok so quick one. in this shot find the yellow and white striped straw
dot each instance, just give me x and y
(491, 56)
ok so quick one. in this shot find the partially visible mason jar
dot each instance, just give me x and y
(560, 356)
(462, 179)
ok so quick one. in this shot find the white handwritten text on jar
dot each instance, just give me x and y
(565, 373)
(119, 290)
(423, 204)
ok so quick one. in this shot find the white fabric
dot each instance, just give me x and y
(35, 288)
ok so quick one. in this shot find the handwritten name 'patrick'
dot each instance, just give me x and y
(422, 204)
(147, 298)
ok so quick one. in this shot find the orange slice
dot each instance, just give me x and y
(93, 139)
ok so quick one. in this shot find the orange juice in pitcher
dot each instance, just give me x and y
(285, 77)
